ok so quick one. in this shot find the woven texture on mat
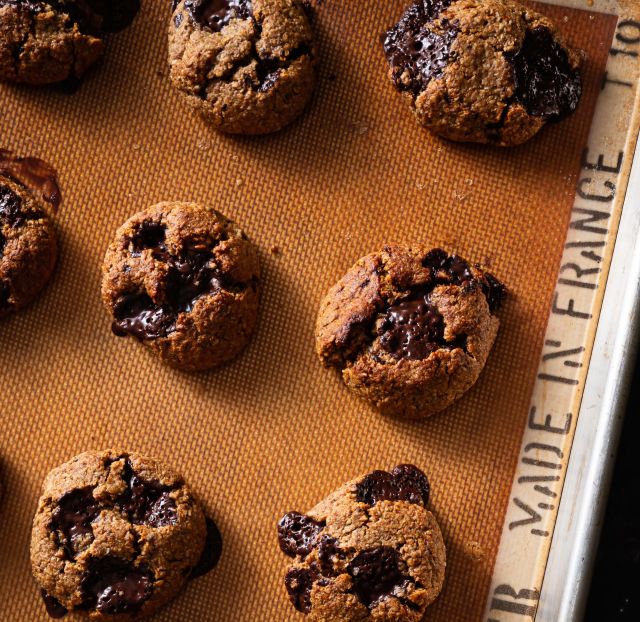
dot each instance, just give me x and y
(274, 431)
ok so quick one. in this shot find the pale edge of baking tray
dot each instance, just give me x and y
(559, 490)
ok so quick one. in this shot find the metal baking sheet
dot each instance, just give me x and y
(274, 431)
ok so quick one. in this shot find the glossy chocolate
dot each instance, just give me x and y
(216, 14)
(72, 519)
(375, 574)
(405, 483)
(115, 586)
(298, 533)
(546, 84)
(38, 176)
(146, 503)
(415, 53)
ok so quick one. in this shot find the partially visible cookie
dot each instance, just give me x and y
(49, 41)
(410, 329)
(247, 66)
(184, 280)
(116, 536)
(28, 246)
(486, 71)
(370, 551)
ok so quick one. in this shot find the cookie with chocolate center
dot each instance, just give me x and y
(370, 551)
(410, 329)
(486, 71)
(116, 536)
(247, 66)
(50, 41)
(184, 280)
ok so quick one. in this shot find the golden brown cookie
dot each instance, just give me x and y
(49, 41)
(247, 66)
(28, 246)
(485, 71)
(410, 329)
(184, 280)
(115, 534)
(370, 551)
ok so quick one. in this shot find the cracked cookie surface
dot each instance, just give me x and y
(50, 41)
(184, 280)
(28, 246)
(115, 536)
(486, 71)
(410, 329)
(247, 66)
(370, 551)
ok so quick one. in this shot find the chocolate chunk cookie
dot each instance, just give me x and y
(247, 66)
(369, 551)
(115, 534)
(184, 280)
(485, 71)
(28, 246)
(49, 41)
(409, 328)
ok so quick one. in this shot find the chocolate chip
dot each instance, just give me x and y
(413, 485)
(148, 235)
(414, 52)
(211, 552)
(72, 517)
(298, 533)
(299, 583)
(216, 14)
(413, 328)
(146, 503)
(3, 243)
(53, 606)
(448, 269)
(405, 483)
(139, 316)
(114, 586)
(546, 84)
(10, 208)
(375, 574)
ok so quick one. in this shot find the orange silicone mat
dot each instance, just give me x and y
(274, 431)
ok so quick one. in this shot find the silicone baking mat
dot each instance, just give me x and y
(274, 431)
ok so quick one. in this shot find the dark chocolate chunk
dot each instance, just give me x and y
(298, 533)
(72, 518)
(375, 574)
(211, 552)
(53, 606)
(149, 235)
(190, 276)
(113, 586)
(412, 328)
(36, 174)
(10, 208)
(216, 14)
(414, 52)
(405, 483)
(299, 583)
(139, 316)
(146, 503)
(546, 84)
